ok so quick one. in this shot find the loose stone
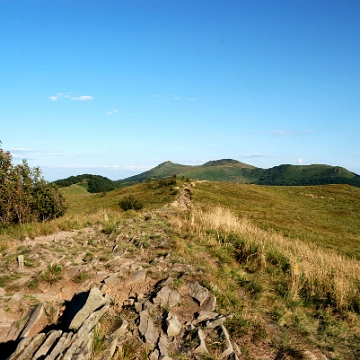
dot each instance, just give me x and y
(198, 292)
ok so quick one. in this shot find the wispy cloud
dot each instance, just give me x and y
(173, 98)
(137, 167)
(83, 98)
(19, 153)
(61, 96)
(107, 167)
(251, 156)
(23, 150)
(114, 111)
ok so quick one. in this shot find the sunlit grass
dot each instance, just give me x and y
(325, 215)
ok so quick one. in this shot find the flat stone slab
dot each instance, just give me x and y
(201, 349)
(37, 320)
(209, 304)
(215, 322)
(198, 292)
(51, 338)
(147, 328)
(163, 346)
(173, 325)
(206, 315)
(174, 298)
(95, 300)
(15, 300)
(137, 277)
(228, 348)
(113, 280)
(162, 297)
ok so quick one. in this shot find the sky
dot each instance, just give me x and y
(116, 87)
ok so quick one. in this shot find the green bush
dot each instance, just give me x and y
(52, 274)
(24, 194)
(129, 202)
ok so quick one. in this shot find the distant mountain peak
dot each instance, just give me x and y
(227, 162)
(165, 163)
(221, 162)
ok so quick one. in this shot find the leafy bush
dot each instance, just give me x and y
(167, 182)
(25, 196)
(129, 202)
(52, 274)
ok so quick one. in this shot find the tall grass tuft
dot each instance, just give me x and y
(313, 274)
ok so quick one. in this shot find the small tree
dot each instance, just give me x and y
(24, 194)
(129, 202)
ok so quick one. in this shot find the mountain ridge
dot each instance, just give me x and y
(227, 170)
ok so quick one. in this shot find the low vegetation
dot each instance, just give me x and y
(129, 202)
(324, 215)
(284, 261)
(25, 196)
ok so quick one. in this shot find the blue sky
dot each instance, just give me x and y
(116, 87)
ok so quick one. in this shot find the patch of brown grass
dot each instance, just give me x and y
(313, 273)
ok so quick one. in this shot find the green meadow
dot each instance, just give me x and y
(283, 260)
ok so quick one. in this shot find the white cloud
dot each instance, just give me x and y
(21, 150)
(83, 98)
(301, 161)
(191, 99)
(140, 168)
(113, 111)
(137, 167)
(60, 96)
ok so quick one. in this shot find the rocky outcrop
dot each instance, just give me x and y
(159, 329)
(63, 343)
(119, 296)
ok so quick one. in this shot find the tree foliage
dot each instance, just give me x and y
(24, 194)
(93, 183)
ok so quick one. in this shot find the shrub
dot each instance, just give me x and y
(129, 202)
(25, 196)
(52, 274)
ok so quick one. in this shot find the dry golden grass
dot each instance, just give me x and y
(314, 274)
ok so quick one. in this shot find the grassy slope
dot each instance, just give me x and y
(224, 173)
(327, 215)
(218, 170)
(266, 317)
(165, 169)
(75, 190)
(316, 174)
